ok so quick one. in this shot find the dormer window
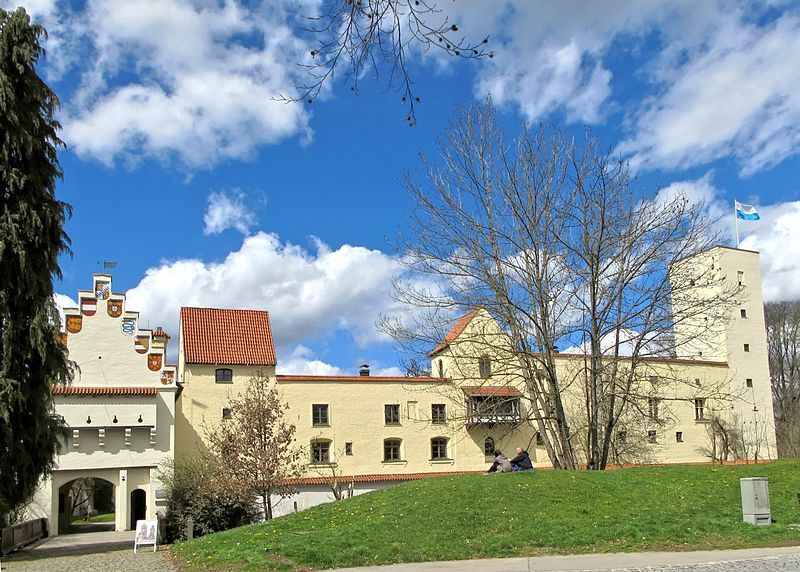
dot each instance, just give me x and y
(223, 375)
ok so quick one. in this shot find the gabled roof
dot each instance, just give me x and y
(161, 333)
(455, 331)
(227, 337)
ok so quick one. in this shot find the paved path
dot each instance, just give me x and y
(87, 552)
(750, 560)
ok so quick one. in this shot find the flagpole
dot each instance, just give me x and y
(736, 222)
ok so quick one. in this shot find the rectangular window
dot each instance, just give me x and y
(748, 382)
(223, 375)
(438, 413)
(651, 437)
(226, 413)
(743, 313)
(391, 450)
(652, 404)
(439, 449)
(679, 437)
(697, 381)
(348, 448)
(740, 277)
(485, 366)
(699, 409)
(654, 379)
(319, 415)
(320, 451)
(539, 440)
(391, 414)
(747, 347)
(622, 436)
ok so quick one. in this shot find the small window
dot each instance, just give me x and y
(691, 282)
(391, 450)
(488, 446)
(226, 413)
(697, 381)
(438, 413)
(348, 448)
(320, 451)
(485, 366)
(439, 449)
(622, 436)
(747, 347)
(319, 415)
(652, 404)
(539, 439)
(743, 313)
(699, 409)
(740, 277)
(391, 414)
(223, 375)
(679, 436)
(748, 382)
(441, 368)
(651, 437)
(654, 380)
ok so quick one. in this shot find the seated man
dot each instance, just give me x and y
(522, 462)
(501, 464)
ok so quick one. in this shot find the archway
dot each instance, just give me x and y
(86, 504)
(138, 507)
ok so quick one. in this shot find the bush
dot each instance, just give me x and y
(193, 493)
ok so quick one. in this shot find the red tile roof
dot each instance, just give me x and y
(227, 337)
(161, 332)
(492, 390)
(107, 391)
(375, 478)
(367, 378)
(457, 328)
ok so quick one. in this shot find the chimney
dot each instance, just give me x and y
(363, 370)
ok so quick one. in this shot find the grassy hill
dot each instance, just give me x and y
(521, 514)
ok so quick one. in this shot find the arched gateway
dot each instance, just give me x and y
(120, 409)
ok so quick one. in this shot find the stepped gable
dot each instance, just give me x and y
(227, 337)
(455, 331)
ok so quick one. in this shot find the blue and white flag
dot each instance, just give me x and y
(746, 212)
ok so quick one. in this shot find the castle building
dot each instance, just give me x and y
(371, 431)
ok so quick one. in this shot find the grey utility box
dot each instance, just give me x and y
(755, 501)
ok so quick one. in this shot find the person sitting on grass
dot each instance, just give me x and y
(522, 462)
(501, 464)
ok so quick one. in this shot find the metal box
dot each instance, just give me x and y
(755, 501)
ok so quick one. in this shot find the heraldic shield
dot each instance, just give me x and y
(142, 344)
(74, 324)
(114, 308)
(154, 362)
(102, 290)
(88, 306)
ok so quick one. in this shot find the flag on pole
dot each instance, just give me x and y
(746, 212)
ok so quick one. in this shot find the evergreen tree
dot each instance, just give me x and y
(31, 238)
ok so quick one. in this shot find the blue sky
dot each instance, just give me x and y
(180, 166)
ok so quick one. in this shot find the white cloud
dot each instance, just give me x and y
(173, 78)
(227, 210)
(62, 301)
(301, 361)
(777, 237)
(739, 96)
(309, 294)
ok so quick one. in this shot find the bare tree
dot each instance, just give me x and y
(358, 36)
(550, 238)
(256, 444)
(783, 344)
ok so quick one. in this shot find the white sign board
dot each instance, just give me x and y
(146, 533)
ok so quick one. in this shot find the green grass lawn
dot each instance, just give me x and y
(106, 517)
(520, 514)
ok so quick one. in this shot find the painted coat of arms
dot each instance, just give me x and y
(142, 344)
(128, 326)
(154, 362)
(167, 377)
(74, 324)
(102, 290)
(114, 308)
(88, 306)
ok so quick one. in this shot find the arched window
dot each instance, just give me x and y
(439, 449)
(485, 366)
(488, 446)
(391, 450)
(320, 451)
(223, 375)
